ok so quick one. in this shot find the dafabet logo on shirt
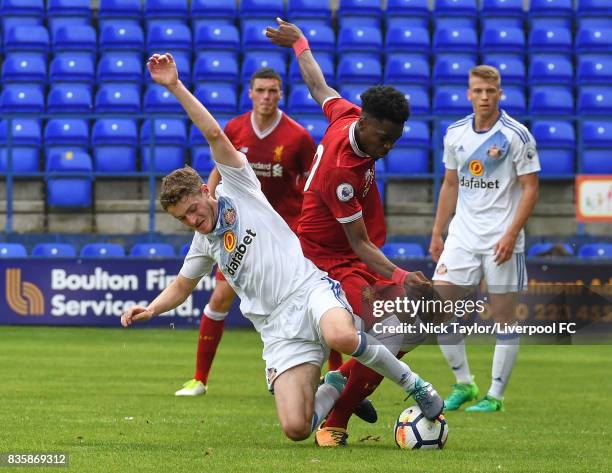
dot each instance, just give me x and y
(23, 297)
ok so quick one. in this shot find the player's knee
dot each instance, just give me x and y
(343, 340)
(296, 429)
(220, 302)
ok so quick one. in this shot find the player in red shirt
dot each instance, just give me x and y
(342, 225)
(280, 151)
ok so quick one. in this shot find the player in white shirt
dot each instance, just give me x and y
(491, 184)
(299, 312)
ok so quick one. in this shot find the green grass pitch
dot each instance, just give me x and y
(106, 396)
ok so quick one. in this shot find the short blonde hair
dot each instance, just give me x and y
(486, 72)
(179, 184)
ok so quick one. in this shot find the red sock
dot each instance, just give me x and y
(211, 332)
(361, 383)
(347, 366)
(335, 360)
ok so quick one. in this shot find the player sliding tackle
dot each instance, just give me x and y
(299, 312)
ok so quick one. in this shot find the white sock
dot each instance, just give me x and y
(393, 341)
(504, 360)
(376, 356)
(325, 398)
(213, 314)
(452, 346)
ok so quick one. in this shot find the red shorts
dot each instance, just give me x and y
(361, 285)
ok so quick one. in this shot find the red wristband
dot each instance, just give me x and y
(399, 276)
(300, 46)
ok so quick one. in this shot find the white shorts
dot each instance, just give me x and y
(292, 335)
(464, 268)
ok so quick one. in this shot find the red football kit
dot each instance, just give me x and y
(342, 188)
(280, 157)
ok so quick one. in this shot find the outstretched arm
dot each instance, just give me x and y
(290, 36)
(163, 71)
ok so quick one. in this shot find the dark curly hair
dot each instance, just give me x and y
(384, 102)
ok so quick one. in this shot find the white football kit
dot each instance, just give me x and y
(488, 165)
(281, 292)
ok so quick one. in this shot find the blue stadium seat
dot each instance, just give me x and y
(12, 250)
(113, 98)
(597, 147)
(216, 66)
(254, 35)
(62, 134)
(452, 70)
(216, 10)
(255, 60)
(121, 37)
(455, 40)
(120, 9)
(594, 40)
(300, 101)
(152, 250)
(408, 39)
(308, 10)
(22, 98)
(502, 8)
(201, 159)
(595, 100)
(539, 249)
(26, 143)
(26, 39)
(114, 142)
(262, 9)
(415, 12)
(326, 62)
(217, 37)
(218, 97)
(170, 143)
(493, 23)
(120, 67)
(185, 249)
(102, 250)
(75, 38)
(456, 8)
(357, 69)
(54, 250)
(68, 13)
(24, 67)
(406, 69)
(551, 69)
(550, 40)
(513, 100)
(552, 12)
(451, 100)
(411, 152)
(175, 10)
(593, 8)
(72, 67)
(321, 38)
(352, 93)
(21, 13)
(556, 146)
(596, 250)
(503, 40)
(360, 40)
(402, 250)
(316, 126)
(359, 12)
(550, 22)
(69, 98)
(594, 69)
(551, 100)
(511, 67)
(157, 99)
(170, 37)
(418, 98)
(69, 192)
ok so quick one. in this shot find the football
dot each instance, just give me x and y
(414, 431)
